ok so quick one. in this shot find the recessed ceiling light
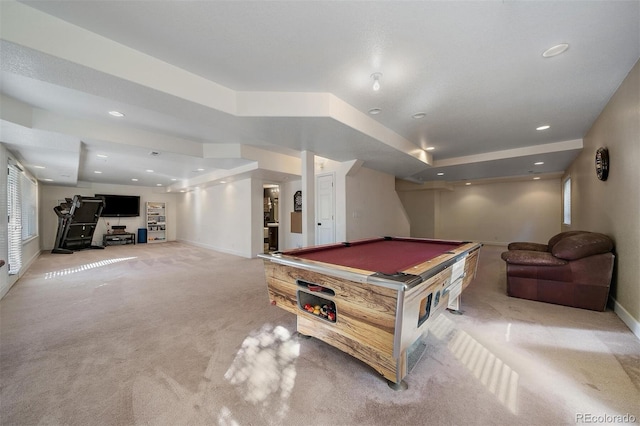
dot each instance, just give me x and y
(48, 180)
(102, 156)
(539, 163)
(200, 170)
(223, 181)
(431, 148)
(97, 172)
(440, 174)
(419, 115)
(174, 179)
(134, 179)
(116, 113)
(536, 178)
(375, 111)
(555, 50)
(468, 183)
(38, 167)
(545, 127)
(158, 184)
(149, 171)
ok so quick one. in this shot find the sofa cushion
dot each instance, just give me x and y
(527, 246)
(582, 245)
(532, 258)
(558, 237)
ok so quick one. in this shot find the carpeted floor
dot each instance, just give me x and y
(171, 334)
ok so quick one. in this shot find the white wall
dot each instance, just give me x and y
(494, 213)
(613, 206)
(373, 207)
(51, 195)
(502, 212)
(220, 217)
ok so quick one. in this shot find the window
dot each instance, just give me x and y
(22, 196)
(566, 202)
(28, 190)
(14, 228)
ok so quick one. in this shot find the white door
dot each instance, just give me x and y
(325, 196)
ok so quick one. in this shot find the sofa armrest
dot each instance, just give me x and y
(518, 245)
(531, 258)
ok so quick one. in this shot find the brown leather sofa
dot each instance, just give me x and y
(573, 269)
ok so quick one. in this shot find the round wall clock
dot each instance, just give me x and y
(602, 163)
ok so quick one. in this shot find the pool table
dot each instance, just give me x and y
(372, 298)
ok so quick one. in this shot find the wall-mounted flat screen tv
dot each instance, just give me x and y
(120, 205)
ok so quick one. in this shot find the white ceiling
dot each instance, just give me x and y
(196, 79)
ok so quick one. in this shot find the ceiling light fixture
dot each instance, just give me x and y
(419, 115)
(555, 50)
(431, 148)
(48, 180)
(536, 178)
(539, 163)
(149, 171)
(97, 172)
(375, 111)
(440, 174)
(116, 114)
(101, 156)
(38, 167)
(376, 80)
(545, 127)
(134, 179)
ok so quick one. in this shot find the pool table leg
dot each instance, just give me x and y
(303, 336)
(454, 306)
(398, 386)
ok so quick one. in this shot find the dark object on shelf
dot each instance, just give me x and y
(119, 229)
(573, 269)
(77, 220)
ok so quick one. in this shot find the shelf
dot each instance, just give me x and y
(156, 222)
(118, 239)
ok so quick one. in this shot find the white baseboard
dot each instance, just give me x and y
(627, 318)
(13, 279)
(211, 247)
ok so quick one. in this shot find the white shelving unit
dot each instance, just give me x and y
(156, 222)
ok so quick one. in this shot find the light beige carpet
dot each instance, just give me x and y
(171, 334)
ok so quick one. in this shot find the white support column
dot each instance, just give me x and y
(308, 199)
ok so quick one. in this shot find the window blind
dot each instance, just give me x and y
(14, 231)
(28, 190)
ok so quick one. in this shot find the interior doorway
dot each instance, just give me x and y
(271, 216)
(325, 209)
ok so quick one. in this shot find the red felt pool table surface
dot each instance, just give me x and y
(386, 255)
